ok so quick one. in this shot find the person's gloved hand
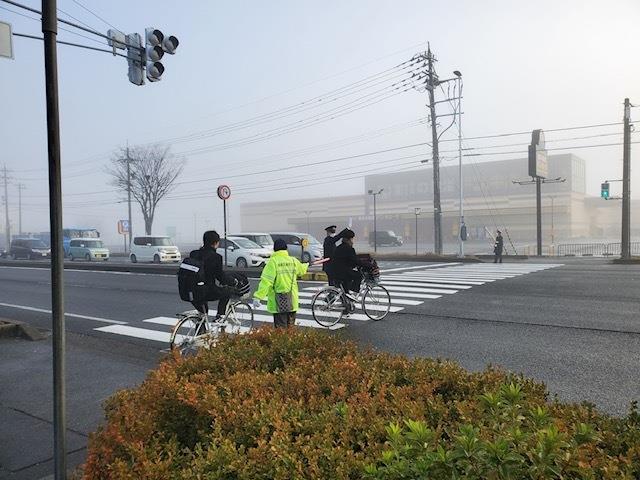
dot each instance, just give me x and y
(256, 303)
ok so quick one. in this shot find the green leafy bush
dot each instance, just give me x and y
(289, 405)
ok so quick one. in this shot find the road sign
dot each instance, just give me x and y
(305, 242)
(538, 166)
(123, 227)
(6, 45)
(224, 192)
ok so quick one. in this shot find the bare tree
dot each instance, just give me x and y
(154, 171)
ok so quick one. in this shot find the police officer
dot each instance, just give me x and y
(329, 248)
(498, 247)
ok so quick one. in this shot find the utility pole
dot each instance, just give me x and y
(461, 233)
(625, 247)
(20, 188)
(7, 225)
(128, 160)
(375, 219)
(432, 82)
(307, 213)
(50, 32)
(416, 212)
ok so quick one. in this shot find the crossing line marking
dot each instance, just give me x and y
(72, 315)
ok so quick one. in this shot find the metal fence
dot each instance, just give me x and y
(593, 249)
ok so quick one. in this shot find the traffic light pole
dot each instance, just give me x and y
(129, 199)
(625, 247)
(50, 31)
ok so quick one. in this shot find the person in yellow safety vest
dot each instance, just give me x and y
(279, 285)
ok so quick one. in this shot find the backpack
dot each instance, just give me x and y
(238, 282)
(191, 278)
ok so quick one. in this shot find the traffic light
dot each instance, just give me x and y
(156, 45)
(604, 190)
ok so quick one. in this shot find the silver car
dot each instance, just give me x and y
(311, 253)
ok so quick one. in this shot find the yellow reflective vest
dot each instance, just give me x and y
(280, 274)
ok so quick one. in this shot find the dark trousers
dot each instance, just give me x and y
(497, 257)
(284, 320)
(350, 281)
(213, 292)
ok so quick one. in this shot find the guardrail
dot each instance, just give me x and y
(594, 249)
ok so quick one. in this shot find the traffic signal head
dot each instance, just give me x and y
(604, 190)
(156, 45)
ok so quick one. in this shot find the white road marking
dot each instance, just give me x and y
(397, 301)
(137, 332)
(73, 315)
(424, 284)
(423, 267)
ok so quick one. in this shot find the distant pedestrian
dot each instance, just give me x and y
(279, 285)
(497, 248)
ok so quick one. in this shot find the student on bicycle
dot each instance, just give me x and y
(213, 272)
(279, 285)
(344, 263)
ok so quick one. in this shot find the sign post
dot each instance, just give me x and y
(304, 244)
(224, 193)
(123, 229)
(539, 170)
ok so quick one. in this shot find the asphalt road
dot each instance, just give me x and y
(576, 326)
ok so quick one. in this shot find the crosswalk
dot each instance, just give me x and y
(408, 288)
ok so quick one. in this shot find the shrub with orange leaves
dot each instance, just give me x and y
(307, 405)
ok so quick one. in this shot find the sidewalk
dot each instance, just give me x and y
(95, 370)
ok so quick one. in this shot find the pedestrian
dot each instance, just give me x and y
(329, 248)
(497, 248)
(279, 285)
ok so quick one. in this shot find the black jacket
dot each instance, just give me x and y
(329, 248)
(212, 261)
(499, 245)
(344, 261)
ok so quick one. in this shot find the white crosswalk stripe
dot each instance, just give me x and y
(408, 287)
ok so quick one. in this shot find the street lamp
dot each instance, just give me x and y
(375, 224)
(416, 212)
(461, 208)
(307, 213)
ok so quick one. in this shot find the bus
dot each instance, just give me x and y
(68, 234)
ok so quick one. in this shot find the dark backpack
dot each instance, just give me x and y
(191, 278)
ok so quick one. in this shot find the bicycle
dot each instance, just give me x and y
(330, 304)
(194, 329)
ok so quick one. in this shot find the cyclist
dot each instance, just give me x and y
(329, 247)
(213, 272)
(344, 264)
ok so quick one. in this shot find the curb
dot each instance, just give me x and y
(12, 329)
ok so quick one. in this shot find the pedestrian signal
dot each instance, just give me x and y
(604, 190)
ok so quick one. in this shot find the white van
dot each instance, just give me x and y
(154, 249)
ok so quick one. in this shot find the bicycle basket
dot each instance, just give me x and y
(240, 291)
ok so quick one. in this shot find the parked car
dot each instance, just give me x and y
(262, 239)
(88, 249)
(312, 252)
(243, 253)
(385, 238)
(30, 248)
(156, 249)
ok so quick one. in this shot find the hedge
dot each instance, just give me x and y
(307, 405)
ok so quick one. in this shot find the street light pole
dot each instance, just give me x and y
(307, 213)
(375, 224)
(461, 208)
(416, 211)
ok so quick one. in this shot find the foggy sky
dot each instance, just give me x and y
(525, 65)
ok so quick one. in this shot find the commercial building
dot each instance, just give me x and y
(491, 200)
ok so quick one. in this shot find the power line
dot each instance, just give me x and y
(548, 149)
(96, 15)
(79, 45)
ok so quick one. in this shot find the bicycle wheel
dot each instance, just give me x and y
(376, 302)
(189, 334)
(239, 318)
(327, 306)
